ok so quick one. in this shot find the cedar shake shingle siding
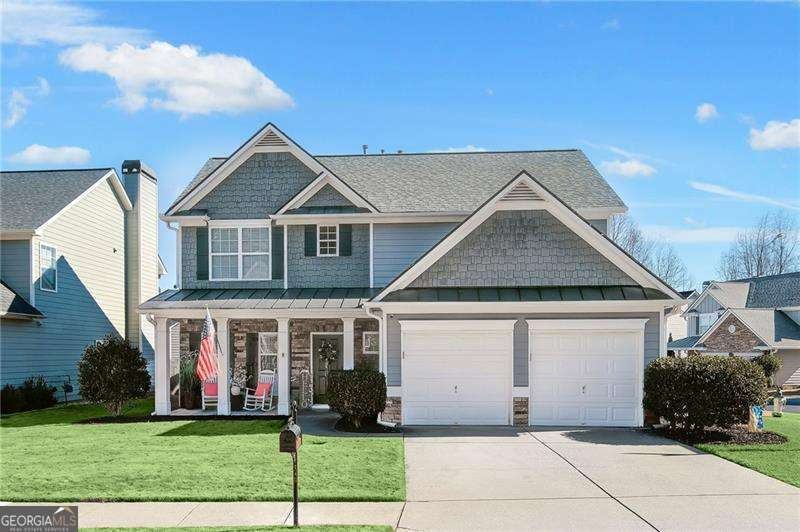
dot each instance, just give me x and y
(723, 341)
(522, 248)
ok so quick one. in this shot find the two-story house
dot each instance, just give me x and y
(481, 284)
(78, 254)
(747, 317)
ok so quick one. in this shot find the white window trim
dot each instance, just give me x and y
(55, 267)
(273, 334)
(711, 324)
(226, 224)
(337, 240)
(364, 343)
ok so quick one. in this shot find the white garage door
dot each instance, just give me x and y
(457, 372)
(586, 372)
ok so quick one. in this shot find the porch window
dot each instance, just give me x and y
(240, 253)
(705, 321)
(267, 351)
(48, 269)
(371, 343)
(327, 240)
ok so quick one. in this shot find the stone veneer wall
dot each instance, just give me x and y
(520, 411)
(364, 361)
(391, 414)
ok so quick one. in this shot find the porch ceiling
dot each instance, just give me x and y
(251, 298)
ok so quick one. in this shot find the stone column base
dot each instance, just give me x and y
(520, 411)
(391, 414)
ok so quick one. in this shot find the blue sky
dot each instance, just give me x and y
(626, 83)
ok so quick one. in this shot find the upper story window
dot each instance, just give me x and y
(48, 268)
(705, 321)
(240, 253)
(327, 240)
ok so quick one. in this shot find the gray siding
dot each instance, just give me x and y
(327, 196)
(794, 315)
(15, 261)
(189, 267)
(397, 246)
(90, 302)
(601, 225)
(522, 248)
(393, 339)
(707, 304)
(325, 272)
(258, 188)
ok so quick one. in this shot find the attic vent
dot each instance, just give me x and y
(521, 192)
(271, 140)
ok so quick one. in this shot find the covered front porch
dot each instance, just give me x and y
(300, 345)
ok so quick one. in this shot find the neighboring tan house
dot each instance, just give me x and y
(481, 284)
(677, 324)
(78, 254)
(748, 317)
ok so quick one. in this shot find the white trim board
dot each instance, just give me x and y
(495, 307)
(323, 179)
(558, 209)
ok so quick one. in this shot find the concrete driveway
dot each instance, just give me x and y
(498, 478)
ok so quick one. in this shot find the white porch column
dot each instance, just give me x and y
(163, 407)
(224, 363)
(284, 376)
(349, 347)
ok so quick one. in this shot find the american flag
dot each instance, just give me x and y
(207, 361)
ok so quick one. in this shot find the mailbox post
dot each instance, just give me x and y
(291, 439)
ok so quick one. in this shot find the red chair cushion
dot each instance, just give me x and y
(210, 389)
(263, 389)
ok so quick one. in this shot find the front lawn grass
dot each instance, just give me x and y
(780, 461)
(46, 457)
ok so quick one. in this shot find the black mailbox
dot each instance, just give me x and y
(291, 439)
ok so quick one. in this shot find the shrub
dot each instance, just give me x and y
(357, 395)
(10, 400)
(112, 373)
(702, 391)
(770, 363)
(34, 394)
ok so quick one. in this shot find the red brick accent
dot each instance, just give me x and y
(742, 340)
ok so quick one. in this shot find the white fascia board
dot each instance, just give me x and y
(238, 157)
(185, 221)
(625, 324)
(457, 325)
(367, 217)
(323, 179)
(600, 213)
(244, 313)
(555, 207)
(528, 307)
(245, 222)
(27, 234)
(704, 294)
(116, 184)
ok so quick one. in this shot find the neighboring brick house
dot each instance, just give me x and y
(482, 285)
(747, 317)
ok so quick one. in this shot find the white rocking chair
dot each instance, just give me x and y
(210, 392)
(261, 397)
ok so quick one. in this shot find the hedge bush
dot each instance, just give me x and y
(34, 394)
(702, 391)
(357, 395)
(112, 373)
(770, 363)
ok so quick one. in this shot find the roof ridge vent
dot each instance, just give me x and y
(271, 139)
(521, 192)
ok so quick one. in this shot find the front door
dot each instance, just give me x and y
(330, 346)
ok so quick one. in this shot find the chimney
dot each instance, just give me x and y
(141, 251)
(364, 148)
(706, 283)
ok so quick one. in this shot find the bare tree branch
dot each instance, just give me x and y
(770, 247)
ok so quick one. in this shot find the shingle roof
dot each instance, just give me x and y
(29, 199)
(526, 294)
(248, 298)
(774, 291)
(13, 303)
(458, 182)
(730, 294)
(772, 325)
(683, 343)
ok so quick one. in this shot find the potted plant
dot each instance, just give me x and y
(238, 385)
(190, 383)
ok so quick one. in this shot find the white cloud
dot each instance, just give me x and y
(17, 108)
(744, 196)
(705, 112)
(682, 235)
(38, 154)
(776, 135)
(629, 168)
(625, 153)
(612, 25)
(462, 149)
(688, 220)
(42, 86)
(179, 78)
(59, 23)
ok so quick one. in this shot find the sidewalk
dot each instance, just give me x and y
(172, 514)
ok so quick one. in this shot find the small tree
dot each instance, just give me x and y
(770, 363)
(112, 373)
